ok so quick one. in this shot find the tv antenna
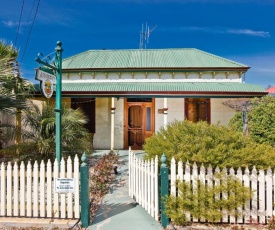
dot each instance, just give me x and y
(144, 35)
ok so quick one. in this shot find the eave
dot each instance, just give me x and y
(197, 69)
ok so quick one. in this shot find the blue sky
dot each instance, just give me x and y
(240, 30)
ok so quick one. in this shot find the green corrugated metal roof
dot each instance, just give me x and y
(160, 87)
(147, 58)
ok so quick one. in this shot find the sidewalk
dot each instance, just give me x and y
(41, 223)
(118, 211)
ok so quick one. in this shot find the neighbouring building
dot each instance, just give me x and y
(271, 91)
(129, 94)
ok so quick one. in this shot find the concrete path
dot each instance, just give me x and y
(118, 211)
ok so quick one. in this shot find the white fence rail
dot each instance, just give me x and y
(143, 183)
(143, 187)
(28, 191)
(258, 210)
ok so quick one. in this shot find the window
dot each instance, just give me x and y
(88, 107)
(197, 109)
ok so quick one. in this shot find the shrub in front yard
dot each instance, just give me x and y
(203, 201)
(261, 120)
(103, 174)
(208, 144)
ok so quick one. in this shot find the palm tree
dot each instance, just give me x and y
(13, 88)
(41, 130)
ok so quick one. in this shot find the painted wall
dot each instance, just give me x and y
(219, 112)
(158, 114)
(6, 119)
(175, 109)
(9, 119)
(102, 138)
(119, 123)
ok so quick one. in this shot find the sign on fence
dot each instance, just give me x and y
(64, 185)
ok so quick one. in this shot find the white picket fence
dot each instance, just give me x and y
(143, 187)
(28, 191)
(143, 183)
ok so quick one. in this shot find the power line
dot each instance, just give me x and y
(30, 31)
(27, 22)
(18, 29)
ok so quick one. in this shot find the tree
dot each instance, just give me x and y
(40, 131)
(39, 134)
(13, 88)
(261, 120)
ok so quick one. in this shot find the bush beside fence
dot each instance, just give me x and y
(144, 187)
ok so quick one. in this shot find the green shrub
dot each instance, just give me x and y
(261, 120)
(202, 201)
(209, 144)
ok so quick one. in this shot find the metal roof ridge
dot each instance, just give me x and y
(75, 55)
(111, 50)
(138, 50)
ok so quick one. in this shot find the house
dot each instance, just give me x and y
(129, 94)
(271, 91)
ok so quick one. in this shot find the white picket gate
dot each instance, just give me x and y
(143, 187)
(28, 191)
(143, 183)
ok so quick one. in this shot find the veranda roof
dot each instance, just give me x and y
(161, 89)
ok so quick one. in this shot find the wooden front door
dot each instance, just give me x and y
(139, 122)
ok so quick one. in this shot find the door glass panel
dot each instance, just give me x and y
(148, 119)
(135, 116)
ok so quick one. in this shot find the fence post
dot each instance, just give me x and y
(164, 189)
(84, 192)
